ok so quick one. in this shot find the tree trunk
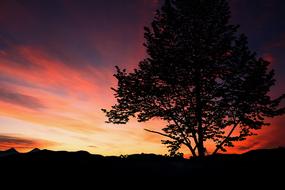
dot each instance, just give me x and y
(200, 145)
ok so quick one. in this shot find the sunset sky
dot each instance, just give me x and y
(57, 61)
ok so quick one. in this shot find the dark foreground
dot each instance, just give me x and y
(260, 164)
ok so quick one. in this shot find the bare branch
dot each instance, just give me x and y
(219, 146)
(174, 119)
(174, 138)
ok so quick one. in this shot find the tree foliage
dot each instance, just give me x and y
(199, 76)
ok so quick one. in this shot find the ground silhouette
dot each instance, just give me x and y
(256, 163)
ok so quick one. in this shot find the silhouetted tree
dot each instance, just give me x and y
(199, 76)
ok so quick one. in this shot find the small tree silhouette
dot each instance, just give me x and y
(199, 76)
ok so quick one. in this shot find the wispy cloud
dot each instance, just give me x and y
(23, 144)
(92, 146)
(13, 97)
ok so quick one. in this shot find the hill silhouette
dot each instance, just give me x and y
(8, 152)
(257, 163)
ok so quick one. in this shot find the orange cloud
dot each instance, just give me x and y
(63, 93)
(23, 144)
(70, 99)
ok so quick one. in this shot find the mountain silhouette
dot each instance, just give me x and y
(277, 153)
(35, 150)
(8, 152)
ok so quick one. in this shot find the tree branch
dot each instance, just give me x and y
(174, 119)
(181, 131)
(177, 139)
(219, 146)
(169, 136)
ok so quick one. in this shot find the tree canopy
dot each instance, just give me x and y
(199, 76)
